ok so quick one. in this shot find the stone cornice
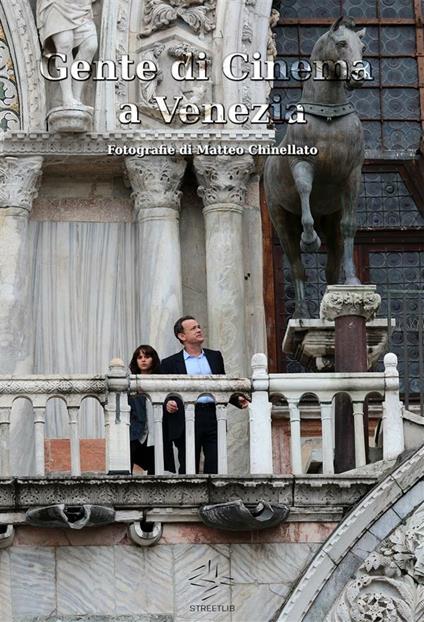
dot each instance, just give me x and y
(50, 145)
(325, 496)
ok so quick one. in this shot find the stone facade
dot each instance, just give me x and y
(101, 252)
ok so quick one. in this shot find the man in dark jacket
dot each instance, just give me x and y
(194, 360)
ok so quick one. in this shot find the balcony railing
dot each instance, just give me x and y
(111, 392)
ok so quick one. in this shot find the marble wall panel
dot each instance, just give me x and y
(253, 602)
(269, 563)
(33, 581)
(85, 580)
(5, 591)
(159, 575)
(202, 575)
(131, 580)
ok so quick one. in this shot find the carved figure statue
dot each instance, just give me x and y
(306, 192)
(64, 26)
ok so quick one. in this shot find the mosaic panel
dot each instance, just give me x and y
(385, 203)
(401, 104)
(395, 273)
(402, 71)
(397, 8)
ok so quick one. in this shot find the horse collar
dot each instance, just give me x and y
(328, 111)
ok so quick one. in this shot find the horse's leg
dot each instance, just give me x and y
(348, 226)
(330, 226)
(289, 229)
(303, 175)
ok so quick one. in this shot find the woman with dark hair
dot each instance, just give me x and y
(145, 360)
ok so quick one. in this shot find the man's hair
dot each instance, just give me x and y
(178, 326)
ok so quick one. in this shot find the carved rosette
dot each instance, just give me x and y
(199, 15)
(389, 586)
(223, 179)
(19, 182)
(155, 182)
(340, 300)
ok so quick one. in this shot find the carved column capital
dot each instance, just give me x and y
(340, 300)
(223, 179)
(155, 182)
(19, 182)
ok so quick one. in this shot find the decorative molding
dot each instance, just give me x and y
(45, 144)
(340, 300)
(25, 47)
(199, 15)
(223, 179)
(53, 385)
(368, 517)
(10, 110)
(389, 585)
(19, 182)
(155, 182)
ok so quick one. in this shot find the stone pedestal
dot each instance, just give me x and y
(222, 186)
(312, 342)
(70, 119)
(350, 306)
(155, 182)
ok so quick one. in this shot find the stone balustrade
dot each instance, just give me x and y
(324, 386)
(111, 391)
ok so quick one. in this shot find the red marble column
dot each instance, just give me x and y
(350, 307)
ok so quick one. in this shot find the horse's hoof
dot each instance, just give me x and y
(310, 246)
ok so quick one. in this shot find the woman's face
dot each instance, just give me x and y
(144, 362)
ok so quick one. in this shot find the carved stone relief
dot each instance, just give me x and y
(9, 98)
(199, 15)
(389, 586)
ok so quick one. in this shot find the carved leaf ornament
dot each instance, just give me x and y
(389, 586)
(198, 14)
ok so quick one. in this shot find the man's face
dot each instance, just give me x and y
(192, 334)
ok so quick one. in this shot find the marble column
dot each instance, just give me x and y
(155, 182)
(350, 306)
(19, 179)
(222, 186)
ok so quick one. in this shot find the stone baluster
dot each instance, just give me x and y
(190, 440)
(260, 419)
(4, 442)
(358, 418)
(295, 437)
(393, 434)
(222, 187)
(73, 412)
(157, 417)
(327, 438)
(117, 420)
(221, 417)
(19, 179)
(155, 183)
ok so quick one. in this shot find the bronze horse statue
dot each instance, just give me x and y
(305, 191)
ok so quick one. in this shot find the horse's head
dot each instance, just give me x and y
(341, 48)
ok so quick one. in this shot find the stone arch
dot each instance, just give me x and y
(323, 590)
(20, 31)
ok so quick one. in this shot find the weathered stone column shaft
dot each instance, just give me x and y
(155, 183)
(222, 186)
(18, 187)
